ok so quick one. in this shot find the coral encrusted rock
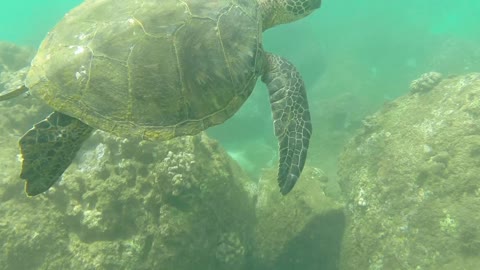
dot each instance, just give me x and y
(124, 204)
(411, 178)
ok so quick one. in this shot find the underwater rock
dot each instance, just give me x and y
(14, 57)
(337, 118)
(18, 115)
(411, 180)
(300, 231)
(10, 80)
(125, 204)
(13, 62)
(426, 82)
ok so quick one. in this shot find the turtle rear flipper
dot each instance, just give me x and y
(49, 148)
(291, 118)
(15, 85)
(13, 93)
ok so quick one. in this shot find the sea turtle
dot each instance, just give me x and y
(158, 69)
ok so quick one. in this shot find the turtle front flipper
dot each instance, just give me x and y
(291, 118)
(49, 148)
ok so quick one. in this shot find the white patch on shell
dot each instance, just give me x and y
(131, 21)
(79, 50)
(81, 73)
(81, 36)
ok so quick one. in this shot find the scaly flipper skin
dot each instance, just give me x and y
(291, 118)
(49, 148)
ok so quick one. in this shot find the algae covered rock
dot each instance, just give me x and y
(125, 204)
(300, 231)
(185, 195)
(411, 179)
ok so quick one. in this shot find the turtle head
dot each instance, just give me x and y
(284, 11)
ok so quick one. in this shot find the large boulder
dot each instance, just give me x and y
(302, 230)
(131, 205)
(412, 180)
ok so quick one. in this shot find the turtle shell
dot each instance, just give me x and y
(152, 68)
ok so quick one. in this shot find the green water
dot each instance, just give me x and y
(369, 51)
(353, 55)
(27, 22)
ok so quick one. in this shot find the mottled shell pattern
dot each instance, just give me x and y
(154, 69)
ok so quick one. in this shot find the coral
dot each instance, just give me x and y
(178, 167)
(230, 249)
(108, 207)
(447, 223)
(426, 82)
